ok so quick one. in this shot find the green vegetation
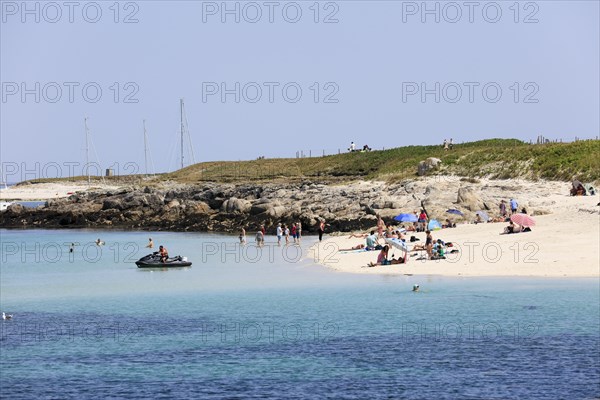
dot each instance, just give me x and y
(494, 158)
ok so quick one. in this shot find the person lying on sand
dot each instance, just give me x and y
(358, 235)
(357, 247)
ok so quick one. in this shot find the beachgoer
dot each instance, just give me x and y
(279, 234)
(357, 247)
(321, 229)
(429, 244)
(372, 241)
(242, 236)
(382, 258)
(286, 232)
(264, 231)
(510, 228)
(380, 226)
(260, 238)
(358, 235)
(294, 233)
(299, 230)
(72, 248)
(150, 244)
(450, 144)
(415, 288)
(352, 147)
(422, 220)
(503, 208)
(478, 219)
(445, 145)
(163, 253)
(99, 242)
(383, 255)
(513, 206)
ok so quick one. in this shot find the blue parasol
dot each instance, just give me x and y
(406, 218)
(454, 211)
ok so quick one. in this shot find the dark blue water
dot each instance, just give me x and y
(281, 329)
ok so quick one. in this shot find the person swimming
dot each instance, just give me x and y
(415, 288)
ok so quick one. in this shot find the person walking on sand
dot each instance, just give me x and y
(321, 229)
(150, 244)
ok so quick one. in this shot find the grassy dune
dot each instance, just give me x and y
(494, 158)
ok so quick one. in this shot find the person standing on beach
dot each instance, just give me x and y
(380, 227)
(279, 234)
(299, 230)
(321, 229)
(242, 236)
(286, 233)
(429, 244)
(503, 208)
(260, 238)
(513, 206)
(294, 232)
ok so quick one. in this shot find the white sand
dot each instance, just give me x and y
(47, 191)
(564, 243)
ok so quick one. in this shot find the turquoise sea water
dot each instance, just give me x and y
(246, 324)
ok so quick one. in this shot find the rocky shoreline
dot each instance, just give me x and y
(227, 207)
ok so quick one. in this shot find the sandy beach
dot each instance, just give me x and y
(564, 243)
(47, 191)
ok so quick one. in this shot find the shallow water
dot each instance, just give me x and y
(244, 324)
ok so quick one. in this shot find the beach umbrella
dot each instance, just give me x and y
(434, 225)
(484, 216)
(454, 211)
(406, 218)
(522, 219)
(397, 243)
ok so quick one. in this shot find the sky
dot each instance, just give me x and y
(271, 78)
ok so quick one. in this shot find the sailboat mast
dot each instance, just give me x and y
(145, 149)
(87, 150)
(182, 128)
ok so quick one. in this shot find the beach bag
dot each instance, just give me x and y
(413, 239)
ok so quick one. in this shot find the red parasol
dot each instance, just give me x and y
(522, 219)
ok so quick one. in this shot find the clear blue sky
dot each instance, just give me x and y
(374, 61)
